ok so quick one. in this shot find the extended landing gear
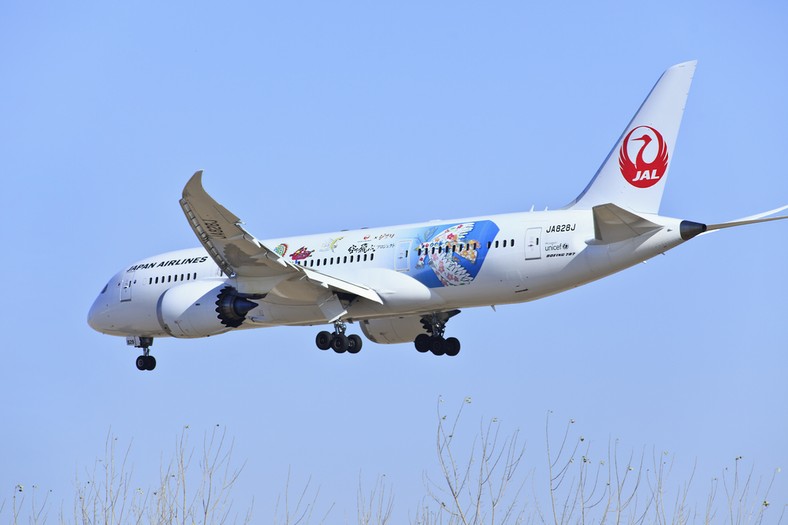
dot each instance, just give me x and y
(145, 361)
(338, 341)
(433, 341)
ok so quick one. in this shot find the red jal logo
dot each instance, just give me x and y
(642, 173)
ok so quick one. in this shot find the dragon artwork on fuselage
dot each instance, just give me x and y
(451, 254)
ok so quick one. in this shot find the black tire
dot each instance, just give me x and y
(339, 343)
(141, 363)
(452, 346)
(150, 363)
(354, 344)
(437, 345)
(323, 340)
(422, 343)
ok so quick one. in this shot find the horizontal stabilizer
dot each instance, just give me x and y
(614, 224)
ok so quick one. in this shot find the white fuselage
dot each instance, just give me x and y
(415, 269)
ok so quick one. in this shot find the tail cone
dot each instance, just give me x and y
(689, 229)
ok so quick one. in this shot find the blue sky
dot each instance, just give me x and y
(319, 116)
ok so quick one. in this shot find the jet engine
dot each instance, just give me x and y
(202, 308)
(391, 330)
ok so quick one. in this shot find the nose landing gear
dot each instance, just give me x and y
(338, 341)
(145, 361)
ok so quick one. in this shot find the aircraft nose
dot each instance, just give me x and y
(97, 316)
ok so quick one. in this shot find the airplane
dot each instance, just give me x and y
(402, 284)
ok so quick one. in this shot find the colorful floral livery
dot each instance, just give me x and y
(452, 254)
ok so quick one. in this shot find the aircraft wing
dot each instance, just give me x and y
(752, 219)
(239, 254)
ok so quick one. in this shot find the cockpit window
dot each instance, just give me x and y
(105, 288)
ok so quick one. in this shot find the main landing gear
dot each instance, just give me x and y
(338, 341)
(145, 361)
(433, 341)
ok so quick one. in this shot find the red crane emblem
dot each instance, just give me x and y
(642, 173)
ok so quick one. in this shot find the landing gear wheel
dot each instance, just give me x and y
(437, 345)
(339, 343)
(452, 346)
(323, 340)
(433, 341)
(146, 362)
(422, 343)
(354, 343)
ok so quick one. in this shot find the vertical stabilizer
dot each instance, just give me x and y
(634, 173)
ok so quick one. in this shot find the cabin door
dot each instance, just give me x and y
(125, 287)
(533, 248)
(403, 256)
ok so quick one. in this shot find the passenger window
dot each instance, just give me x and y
(372, 256)
(365, 256)
(496, 244)
(344, 259)
(512, 243)
(504, 243)
(489, 244)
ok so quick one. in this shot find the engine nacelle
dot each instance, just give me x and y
(392, 330)
(202, 308)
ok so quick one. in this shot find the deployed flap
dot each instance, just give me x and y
(614, 224)
(238, 253)
(335, 283)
